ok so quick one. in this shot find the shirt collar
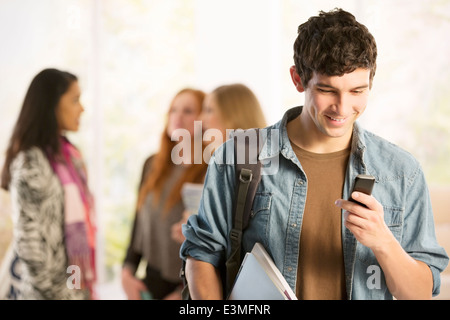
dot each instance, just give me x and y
(276, 139)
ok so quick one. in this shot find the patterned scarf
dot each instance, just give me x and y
(79, 214)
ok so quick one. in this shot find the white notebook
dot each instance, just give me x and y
(191, 194)
(259, 279)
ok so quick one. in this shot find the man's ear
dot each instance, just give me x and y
(296, 79)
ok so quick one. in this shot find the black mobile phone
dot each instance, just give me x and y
(363, 183)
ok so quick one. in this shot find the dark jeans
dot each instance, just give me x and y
(158, 286)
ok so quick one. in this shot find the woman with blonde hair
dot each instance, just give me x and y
(228, 107)
(159, 206)
(232, 106)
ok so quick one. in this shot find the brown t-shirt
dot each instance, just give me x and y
(321, 272)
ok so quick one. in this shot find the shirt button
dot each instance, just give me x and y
(289, 269)
(294, 225)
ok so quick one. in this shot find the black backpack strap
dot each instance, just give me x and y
(248, 176)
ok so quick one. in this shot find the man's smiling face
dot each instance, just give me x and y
(333, 103)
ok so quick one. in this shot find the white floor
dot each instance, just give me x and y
(111, 291)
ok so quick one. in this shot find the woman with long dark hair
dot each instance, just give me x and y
(53, 216)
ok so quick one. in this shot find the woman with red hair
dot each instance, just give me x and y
(159, 206)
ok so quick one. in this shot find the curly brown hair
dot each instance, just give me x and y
(333, 43)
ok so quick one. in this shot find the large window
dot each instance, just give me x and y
(133, 56)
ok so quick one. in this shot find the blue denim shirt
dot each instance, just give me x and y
(277, 213)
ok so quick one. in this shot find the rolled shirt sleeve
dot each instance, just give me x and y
(207, 232)
(419, 238)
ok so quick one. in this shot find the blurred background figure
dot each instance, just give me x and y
(232, 106)
(53, 212)
(160, 205)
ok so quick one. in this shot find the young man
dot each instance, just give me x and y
(324, 245)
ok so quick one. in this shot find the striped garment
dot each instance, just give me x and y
(38, 201)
